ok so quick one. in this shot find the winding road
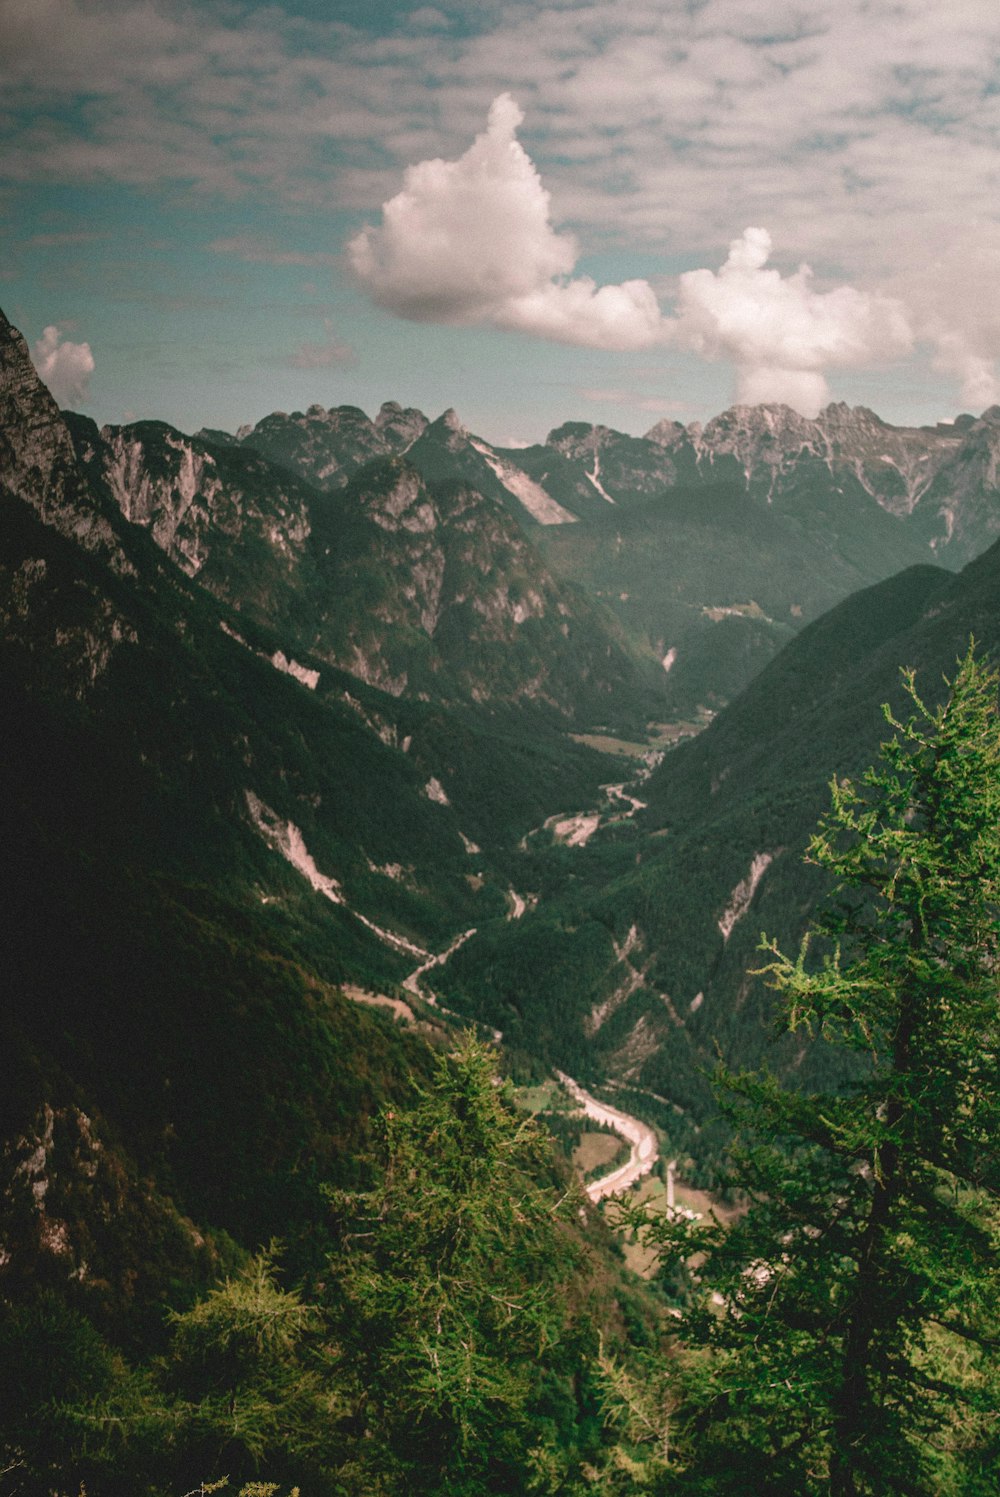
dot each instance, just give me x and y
(412, 984)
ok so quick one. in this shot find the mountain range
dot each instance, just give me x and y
(295, 711)
(711, 544)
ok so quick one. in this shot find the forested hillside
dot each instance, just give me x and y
(636, 964)
(312, 764)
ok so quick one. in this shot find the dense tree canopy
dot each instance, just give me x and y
(448, 1292)
(850, 1316)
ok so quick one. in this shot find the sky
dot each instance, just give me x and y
(612, 211)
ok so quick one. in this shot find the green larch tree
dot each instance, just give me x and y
(448, 1297)
(844, 1334)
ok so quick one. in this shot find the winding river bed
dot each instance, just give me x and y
(643, 1148)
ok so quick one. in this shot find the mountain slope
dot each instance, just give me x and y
(712, 545)
(425, 589)
(640, 963)
(203, 850)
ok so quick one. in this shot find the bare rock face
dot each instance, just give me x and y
(774, 450)
(400, 427)
(419, 587)
(69, 628)
(176, 505)
(846, 458)
(616, 466)
(37, 460)
(944, 478)
(404, 505)
(61, 1185)
(191, 498)
(964, 496)
(451, 426)
(434, 590)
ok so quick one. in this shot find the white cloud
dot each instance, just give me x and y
(780, 333)
(471, 241)
(977, 373)
(65, 367)
(953, 290)
(860, 131)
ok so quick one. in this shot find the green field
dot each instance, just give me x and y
(594, 1150)
(660, 736)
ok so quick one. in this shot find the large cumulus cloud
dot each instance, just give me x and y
(470, 241)
(781, 333)
(65, 367)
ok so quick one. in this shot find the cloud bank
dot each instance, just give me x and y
(471, 242)
(863, 133)
(65, 367)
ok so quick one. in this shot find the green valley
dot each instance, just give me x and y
(360, 778)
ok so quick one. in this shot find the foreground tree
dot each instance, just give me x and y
(449, 1298)
(248, 1383)
(849, 1322)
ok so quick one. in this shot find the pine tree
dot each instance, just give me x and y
(849, 1322)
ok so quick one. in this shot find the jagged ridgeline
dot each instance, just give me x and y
(713, 545)
(423, 588)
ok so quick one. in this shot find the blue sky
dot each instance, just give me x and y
(610, 211)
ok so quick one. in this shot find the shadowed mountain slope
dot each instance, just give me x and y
(204, 845)
(428, 590)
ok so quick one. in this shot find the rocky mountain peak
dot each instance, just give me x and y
(400, 426)
(388, 411)
(325, 447)
(37, 457)
(576, 439)
(667, 433)
(451, 422)
(758, 437)
(447, 431)
(840, 414)
(756, 421)
(216, 437)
